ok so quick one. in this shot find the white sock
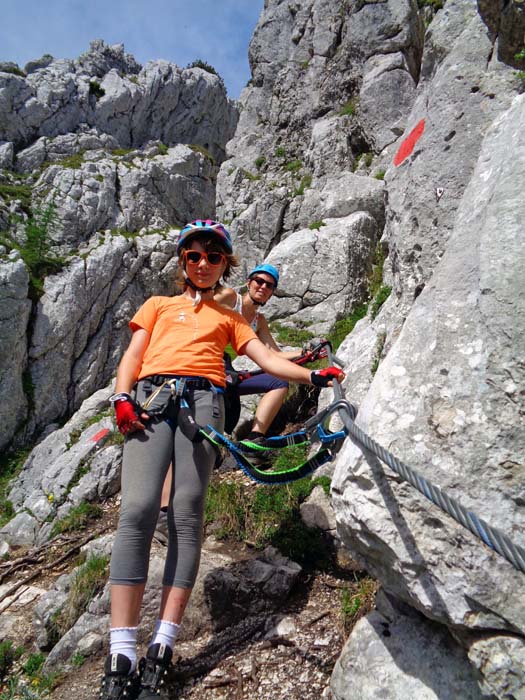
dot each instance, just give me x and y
(165, 633)
(123, 640)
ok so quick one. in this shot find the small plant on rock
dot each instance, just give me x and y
(293, 166)
(293, 336)
(250, 176)
(96, 89)
(349, 108)
(306, 181)
(345, 326)
(36, 250)
(8, 655)
(357, 601)
(379, 299)
(199, 63)
(88, 582)
(77, 518)
(10, 466)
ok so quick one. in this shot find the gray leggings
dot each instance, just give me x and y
(147, 456)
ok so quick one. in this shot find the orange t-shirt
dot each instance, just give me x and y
(187, 339)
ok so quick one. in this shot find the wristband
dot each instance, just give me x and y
(121, 396)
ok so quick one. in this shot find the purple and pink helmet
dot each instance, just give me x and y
(199, 226)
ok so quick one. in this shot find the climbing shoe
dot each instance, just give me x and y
(154, 671)
(118, 682)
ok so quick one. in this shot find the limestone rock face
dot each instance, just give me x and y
(108, 90)
(324, 272)
(446, 399)
(15, 308)
(81, 321)
(102, 162)
(316, 65)
(389, 644)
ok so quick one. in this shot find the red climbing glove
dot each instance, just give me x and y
(323, 377)
(126, 413)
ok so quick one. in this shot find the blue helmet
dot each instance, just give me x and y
(269, 269)
(208, 226)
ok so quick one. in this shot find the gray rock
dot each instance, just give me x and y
(316, 511)
(335, 197)
(6, 155)
(448, 389)
(21, 530)
(43, 483)
(15, 308)
(80, 328)
(470, 98)
(387, 82)
(396, 653)
(46, 611)
(307, 291)
(107, 89)
(38, 63)
(501, 662)
(225, 593)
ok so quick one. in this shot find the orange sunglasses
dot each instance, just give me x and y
(193, 257)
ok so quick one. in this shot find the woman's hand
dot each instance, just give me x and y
(325, 377)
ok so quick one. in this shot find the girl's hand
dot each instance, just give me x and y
(126, 414)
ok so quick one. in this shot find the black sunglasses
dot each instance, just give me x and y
(195, 256)
(263, 283)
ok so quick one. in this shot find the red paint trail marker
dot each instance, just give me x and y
(101, 433)
(408, 144)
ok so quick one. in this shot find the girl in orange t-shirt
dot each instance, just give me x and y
(183, 336)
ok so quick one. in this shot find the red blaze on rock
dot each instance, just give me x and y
(408, 144)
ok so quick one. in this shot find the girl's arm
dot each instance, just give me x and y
(279, 367)
(131, 362)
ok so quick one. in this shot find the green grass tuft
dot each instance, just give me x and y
(379, 299)
(268, 515)
(349, 108)
(295, 337)
(77, 518)
(345, 326)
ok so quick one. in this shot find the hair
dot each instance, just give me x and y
(211, 244)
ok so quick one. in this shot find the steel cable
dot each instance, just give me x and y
(491, 536)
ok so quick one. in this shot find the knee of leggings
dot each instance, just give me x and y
(277, 383)
(138, 517)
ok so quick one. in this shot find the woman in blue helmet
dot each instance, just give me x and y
(177, 348)
(261, 284)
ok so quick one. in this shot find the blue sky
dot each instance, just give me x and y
(215, 31)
